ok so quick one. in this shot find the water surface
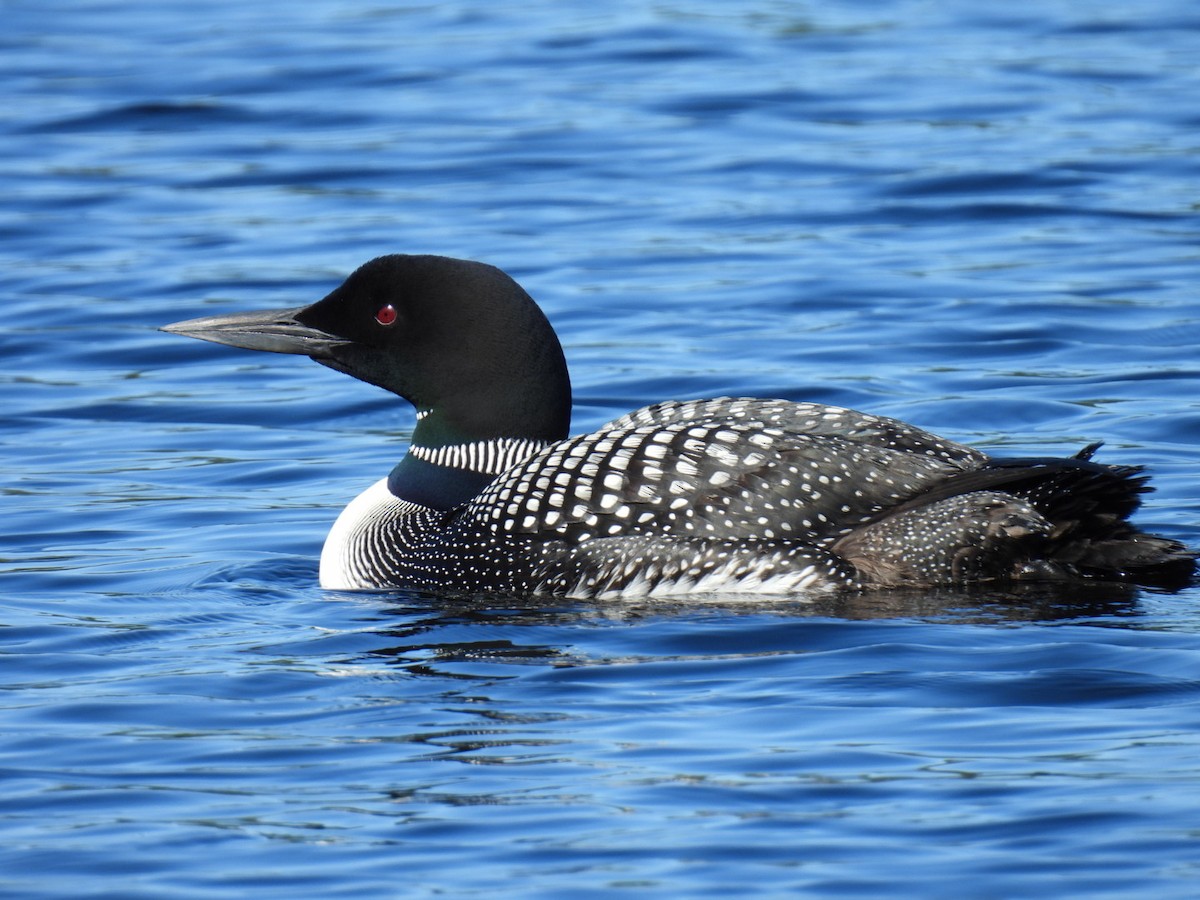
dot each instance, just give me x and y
(980, 220)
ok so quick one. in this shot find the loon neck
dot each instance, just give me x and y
(434, 486)
(444, 468)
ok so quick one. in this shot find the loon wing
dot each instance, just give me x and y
(810, 419)
(715, 470)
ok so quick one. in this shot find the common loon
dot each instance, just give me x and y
(730, 494)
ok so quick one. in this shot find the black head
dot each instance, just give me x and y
(460, 340)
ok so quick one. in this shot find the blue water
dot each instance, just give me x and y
(979, 218)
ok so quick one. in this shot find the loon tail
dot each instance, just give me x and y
(1023, 519)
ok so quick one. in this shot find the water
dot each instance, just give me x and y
(981, 220)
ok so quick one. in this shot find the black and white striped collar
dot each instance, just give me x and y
(490, 457)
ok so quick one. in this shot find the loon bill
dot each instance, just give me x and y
(730, 494)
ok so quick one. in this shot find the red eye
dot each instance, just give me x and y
(386, 315)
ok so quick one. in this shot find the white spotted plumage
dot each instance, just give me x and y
(673, 498)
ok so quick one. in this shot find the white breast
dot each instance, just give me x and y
(357, 534)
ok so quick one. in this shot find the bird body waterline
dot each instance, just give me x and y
(727, 494)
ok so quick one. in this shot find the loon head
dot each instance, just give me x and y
(459, 340)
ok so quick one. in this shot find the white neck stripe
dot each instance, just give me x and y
(488, 457)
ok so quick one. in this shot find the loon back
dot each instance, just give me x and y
(722, 495)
